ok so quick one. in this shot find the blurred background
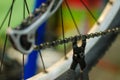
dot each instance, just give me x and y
(108, 67)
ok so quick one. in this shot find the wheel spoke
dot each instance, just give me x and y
(7, 14)
(23, 60)
(5, 19)
(5, 43)
(63, 31)
(90, 12)
(42, 61)
(72, 17)
(26, 4)
(23, 54)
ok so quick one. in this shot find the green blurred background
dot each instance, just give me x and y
(17, 15)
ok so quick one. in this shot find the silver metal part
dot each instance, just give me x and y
(29, 32)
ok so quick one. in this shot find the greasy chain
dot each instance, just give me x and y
(70, 39)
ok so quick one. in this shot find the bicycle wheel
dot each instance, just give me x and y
(113, 6)
(69, 73)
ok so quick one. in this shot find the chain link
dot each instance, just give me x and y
(70, 39)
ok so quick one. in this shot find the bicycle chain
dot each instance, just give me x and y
(34, 16)
(79, 37)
